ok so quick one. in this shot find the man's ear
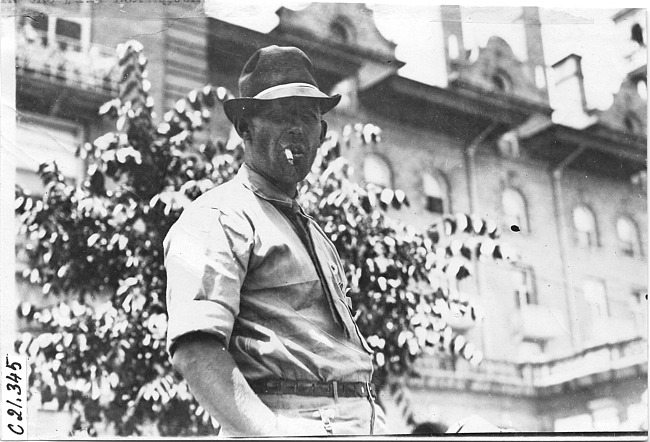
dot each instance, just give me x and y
(323, 130)
(242, 127)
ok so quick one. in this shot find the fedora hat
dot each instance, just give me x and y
(277, 72)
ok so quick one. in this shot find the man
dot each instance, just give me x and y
(259, 324)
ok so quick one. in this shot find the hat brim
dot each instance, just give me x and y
(238, 107)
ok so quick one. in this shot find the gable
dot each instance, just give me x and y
(343, 24)
(496, 68)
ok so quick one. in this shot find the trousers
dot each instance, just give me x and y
(342, 416)
(320, 416)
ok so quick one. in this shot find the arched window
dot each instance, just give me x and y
(642, 89)
(514, 210)
(339, 32)
(637, 34)
(628, 236)
(435, 193)
(584, 222)
(632, 123)
(342, 30)
(377, 171)
(501, 82)
(452, 43)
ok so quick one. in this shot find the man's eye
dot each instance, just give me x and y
(309, 117)
(275, 116)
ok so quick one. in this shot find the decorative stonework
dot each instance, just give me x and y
(497, 69)
(628, 112)
(349, 24)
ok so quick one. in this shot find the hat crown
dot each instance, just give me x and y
(273, 66)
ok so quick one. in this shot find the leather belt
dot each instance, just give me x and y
(306, 388)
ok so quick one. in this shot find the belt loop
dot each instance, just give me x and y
(327, 424)
(335, 386)
(371, 399)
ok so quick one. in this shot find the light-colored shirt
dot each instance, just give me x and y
(237, 268)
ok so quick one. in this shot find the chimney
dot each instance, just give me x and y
(452, 31)
(568, 93)
(535, 49)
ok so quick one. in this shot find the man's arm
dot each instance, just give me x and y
(220, 387)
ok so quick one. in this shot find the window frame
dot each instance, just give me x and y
(384, 160)
(443, 186)
(526, 294)
(587, 239)
(508, 218)
(634, 243)
(606, 308)
(53, 15)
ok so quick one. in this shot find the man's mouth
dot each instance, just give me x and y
(296, 150)
(292, 152)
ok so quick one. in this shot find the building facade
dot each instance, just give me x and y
(564, 332)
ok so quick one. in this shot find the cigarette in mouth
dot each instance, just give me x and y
(289, 155)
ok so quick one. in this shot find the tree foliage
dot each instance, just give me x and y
(96, 249)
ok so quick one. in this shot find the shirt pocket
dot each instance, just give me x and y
(337, 278)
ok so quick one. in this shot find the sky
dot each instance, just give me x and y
(415, 28)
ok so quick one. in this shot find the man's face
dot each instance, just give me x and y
(288, 123)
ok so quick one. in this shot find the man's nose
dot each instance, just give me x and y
(295, 124)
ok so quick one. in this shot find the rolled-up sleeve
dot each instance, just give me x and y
(206, 257)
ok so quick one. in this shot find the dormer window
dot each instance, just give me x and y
(637, 34)
(501, 82)
(632, 123)
(340, 32)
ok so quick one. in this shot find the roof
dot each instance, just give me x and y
(595, 149)
(463, 111)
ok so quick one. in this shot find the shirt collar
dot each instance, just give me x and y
(262, 187)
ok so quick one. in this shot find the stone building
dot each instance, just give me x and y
(564, 332)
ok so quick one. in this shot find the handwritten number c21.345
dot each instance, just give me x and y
(13, 365)
(18, 414)
(16, 429)
(14, 387)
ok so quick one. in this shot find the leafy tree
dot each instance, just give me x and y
(96, 249)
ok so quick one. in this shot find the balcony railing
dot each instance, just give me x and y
(536, 376)
(63, 60)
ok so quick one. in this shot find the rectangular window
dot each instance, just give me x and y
(586, 239)
(68, 34)
(595, 295)
(638, 308)
(434, 204)
(524, 283)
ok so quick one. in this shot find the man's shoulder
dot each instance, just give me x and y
(230, 203)
(231, 195)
